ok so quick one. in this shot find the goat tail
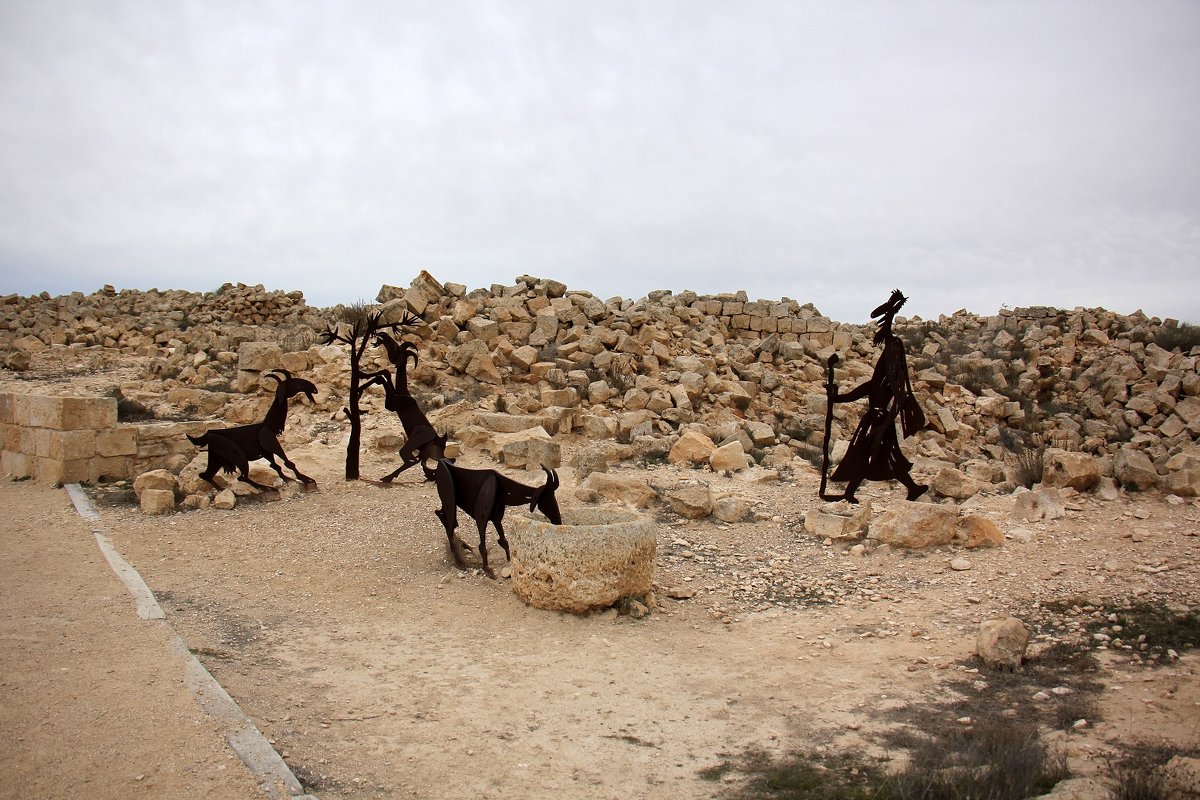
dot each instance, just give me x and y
(199, 441)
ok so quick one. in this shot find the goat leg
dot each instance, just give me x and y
(503, 542)
(483, 548)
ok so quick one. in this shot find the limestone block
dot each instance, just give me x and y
(225, 500)
(120, 441)
(565, 398)
(915, 526)
(483, 328)
(1133, 469)
(505, 423)
(760, 433)
(732, 508)
(52, 470)
(617, 488)
(1038, 504)
(71, 413)
(596, 558)
(1079, 471)
(482, 368)
(16, 464)
(949, 482)
(111, 468)
(692, 447)
(596, 426)
(523, 357)
(693, 500)
(156, 501)
(532, 453)
(1183, 474)
(839, 520)
(729, 457)
(7, 409)
(155, 479)
(259, 356)
(71, 445)
(977, 531)
(1002, 642)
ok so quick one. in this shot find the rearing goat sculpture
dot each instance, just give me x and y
(232, 449)
(422, 442)
(484, 494)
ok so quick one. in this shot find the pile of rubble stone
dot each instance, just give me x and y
(721, 382)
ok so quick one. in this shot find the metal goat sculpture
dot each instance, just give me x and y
(422, 443)
(874, 450)
(484, 494)
(232, 449)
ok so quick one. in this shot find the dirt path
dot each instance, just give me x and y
(92, 700)
(337, 622)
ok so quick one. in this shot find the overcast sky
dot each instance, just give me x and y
(974, 154)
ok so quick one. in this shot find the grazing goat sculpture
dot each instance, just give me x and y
(484, 494)
(422, 442)
(232, 449)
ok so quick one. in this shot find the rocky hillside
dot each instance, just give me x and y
(1123, 390)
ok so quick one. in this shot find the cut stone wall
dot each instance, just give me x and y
(74, 439)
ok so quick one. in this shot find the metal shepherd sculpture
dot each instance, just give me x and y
(874, 450)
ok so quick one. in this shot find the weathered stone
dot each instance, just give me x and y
(729, 457)
(1038, 504)
(976, 531)
(623, 489)
(693, 500)
(1183, 473)
(915, 526)
(259, 356)
(731, 509)
(156, 501)
(692, 447)
(158, 479)
(1078, 789)
(1002, 642)
(596, 558)
(1079, 471)
(225, 500)
(1133, 469)
(839, 520)
(951, 483)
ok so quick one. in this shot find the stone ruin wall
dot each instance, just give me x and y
(642, 373)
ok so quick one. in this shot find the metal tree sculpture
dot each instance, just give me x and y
(356, 329)
(874, 450)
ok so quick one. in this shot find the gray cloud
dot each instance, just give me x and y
(973, 154)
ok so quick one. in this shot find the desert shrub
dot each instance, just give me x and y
(1027, 455)
(1141, 771)
(1182, 338)
(802, 776)
(991, 759)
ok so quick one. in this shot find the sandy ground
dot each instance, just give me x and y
(338, 623)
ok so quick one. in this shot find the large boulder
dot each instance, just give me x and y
(693, 500)
(729, 457)
(977, 531)
(617, 488)
(956, 485)
(839, 520)
(1133, 469)
(1063, 468)
(915, 526)
(1183, 474)
(156, 479)
(596, 558)
(1038, 505)
(1002, 642)
(156, 501)
(692, 447)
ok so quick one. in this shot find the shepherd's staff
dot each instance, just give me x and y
(830, 393)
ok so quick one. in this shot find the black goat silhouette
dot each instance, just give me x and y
(422, 442)
(232, 449)
(484, 494)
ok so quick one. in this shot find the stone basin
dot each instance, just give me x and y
(597, 557)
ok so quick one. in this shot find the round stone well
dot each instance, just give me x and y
(597, 557)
